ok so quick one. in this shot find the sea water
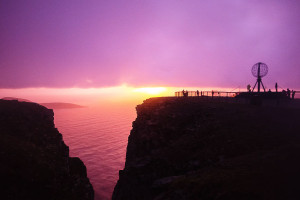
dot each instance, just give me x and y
(98, 136)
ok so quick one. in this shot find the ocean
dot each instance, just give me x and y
(98, 136)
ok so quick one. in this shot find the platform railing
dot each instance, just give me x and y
(216, 93)
(206, 94)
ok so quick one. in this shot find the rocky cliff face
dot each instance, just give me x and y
(34, 160)
(193, 148)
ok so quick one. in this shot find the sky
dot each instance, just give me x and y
(147, 43)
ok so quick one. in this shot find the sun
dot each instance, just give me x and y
(151, 90)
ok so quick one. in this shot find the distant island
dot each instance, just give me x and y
(16, 99)
(54, 105)
(61, 105)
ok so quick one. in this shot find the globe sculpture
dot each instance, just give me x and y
(259, 70)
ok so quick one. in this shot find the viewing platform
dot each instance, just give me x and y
(212, 93)
(280, 98)
(206, 94)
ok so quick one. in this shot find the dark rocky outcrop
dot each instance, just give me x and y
(34, 160)
(195, 148)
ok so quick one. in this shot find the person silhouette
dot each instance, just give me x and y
(288, 91)
(276, 87)
(197, 93)
(293, 94)
(249, 88)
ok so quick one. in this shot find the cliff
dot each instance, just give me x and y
(34, 160)
(194, 148)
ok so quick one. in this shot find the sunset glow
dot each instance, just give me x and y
(88, 95)
(97, 96)
(151, 90)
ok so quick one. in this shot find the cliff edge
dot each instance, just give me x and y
(196, 148)
(34, 160)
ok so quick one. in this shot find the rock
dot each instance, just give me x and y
(34, 160)
(197, 148)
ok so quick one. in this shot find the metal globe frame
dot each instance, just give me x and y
(259, 70)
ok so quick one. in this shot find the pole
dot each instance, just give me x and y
(258, 78)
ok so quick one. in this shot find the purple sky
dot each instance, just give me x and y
(64, 44)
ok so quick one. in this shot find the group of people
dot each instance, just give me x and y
(290, 94)
(186, 93)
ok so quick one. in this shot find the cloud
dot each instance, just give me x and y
(147, 43)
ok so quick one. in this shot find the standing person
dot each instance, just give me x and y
(212, 93)
(197, 93)
(288, 91)
(201, 93)
(183, 93)
(249, 88)
(276, 87)
(293, 94)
